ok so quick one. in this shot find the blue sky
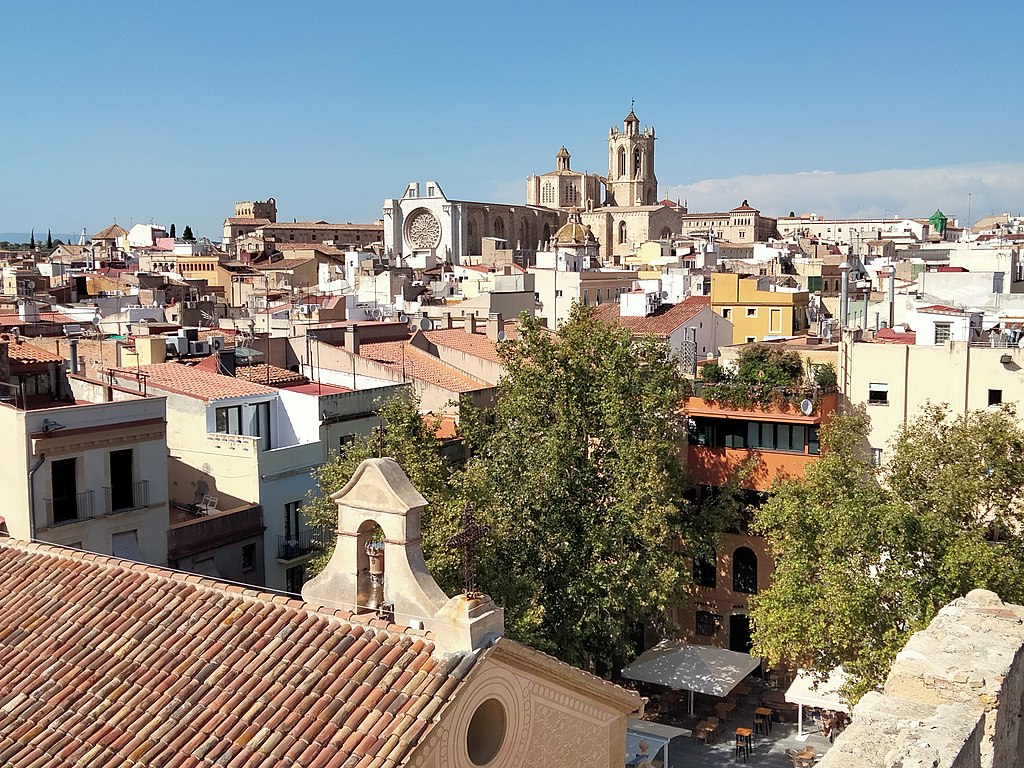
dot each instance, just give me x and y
(173, 111)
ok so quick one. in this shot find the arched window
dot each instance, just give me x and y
(499, 228)
(638, 163)
(622, 233)
(666, 233)
(744, 571)
(572, 195)
(547, 233)
(548, 195)
(622, 161)
(524, 234)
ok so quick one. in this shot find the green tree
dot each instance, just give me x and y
(867, 556)
(579, 476)
(187, 234)
(32, 240)
(49, 241)
(171, 233)
(404, 435)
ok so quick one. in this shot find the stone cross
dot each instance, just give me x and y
(466, 540)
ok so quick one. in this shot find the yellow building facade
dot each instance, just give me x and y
(757, 308)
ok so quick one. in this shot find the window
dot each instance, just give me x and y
(126, 545)
(248, 557)
(742, 234)
(813, 445)
(744, 571)
(704, 572)
(346, 440)
(294, 578)
(995, 397)
(751, 339)
(943, 332)
(775, 320)
(291, 520)
(751, 311)
(229, 420)
(878, 394)
(122, 485)
(586, 296)
(876, 457)
(707, 623)
(727, 313)
(622, 233)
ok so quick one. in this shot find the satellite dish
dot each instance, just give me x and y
(806, 407)
(426, 324)
(378, 314)
(664, 295)
(95, 320)
(403, 318)
(502, 336)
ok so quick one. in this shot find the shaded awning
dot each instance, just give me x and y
(688, 667)
(824, 695)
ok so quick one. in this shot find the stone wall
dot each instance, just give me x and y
(953, 697)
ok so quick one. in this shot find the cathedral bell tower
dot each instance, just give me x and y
(631, 179)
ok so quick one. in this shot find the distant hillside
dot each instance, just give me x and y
(23, 237)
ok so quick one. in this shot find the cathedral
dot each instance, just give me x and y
(621, 209)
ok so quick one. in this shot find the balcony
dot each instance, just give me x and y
(187, 538)
(65, 510)
(125, 498)
(303, 543)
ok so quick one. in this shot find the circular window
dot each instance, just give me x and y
(486, 732)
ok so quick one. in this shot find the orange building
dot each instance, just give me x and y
(781, 441)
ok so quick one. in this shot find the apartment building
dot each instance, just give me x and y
(759, 308)
(81, 471)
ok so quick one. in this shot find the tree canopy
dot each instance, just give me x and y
(187, 235)
(866, 556)
(577, 471)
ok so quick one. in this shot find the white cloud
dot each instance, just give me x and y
(993, 188)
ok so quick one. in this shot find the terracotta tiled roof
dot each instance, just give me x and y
(112, 663)
(663, 322)
(268, 266)
(475, 344)
(241, 220)
(270, 375)
(13, 318)
(889, 336)
(327, 250)
(404, 358)
(112, 232)
(20, 352)
(196, 382)
(939, 309)
(324, 225)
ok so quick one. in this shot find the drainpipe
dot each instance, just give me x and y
(892, 295)
(32, 496)
(844, 295)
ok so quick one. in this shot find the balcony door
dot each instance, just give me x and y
(64, 487)
(122, 480)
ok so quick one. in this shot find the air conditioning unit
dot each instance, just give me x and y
(191, 305)
(217, 343)
(210, 297)
(177, 344)
(199, 347)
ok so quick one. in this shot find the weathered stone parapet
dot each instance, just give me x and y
(953, 696)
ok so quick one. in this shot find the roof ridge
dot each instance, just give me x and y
(226, 588)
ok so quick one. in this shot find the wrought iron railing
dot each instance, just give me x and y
(302, 543)
(124, 498)
(64, 510)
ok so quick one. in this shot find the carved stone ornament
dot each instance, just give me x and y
(424, 230)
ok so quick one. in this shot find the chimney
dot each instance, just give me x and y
(495, 325)
(352, 339)
(470, 322)
(447, 320)
(72, 351)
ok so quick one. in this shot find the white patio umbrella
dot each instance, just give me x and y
(825, 695)
(689, 667)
